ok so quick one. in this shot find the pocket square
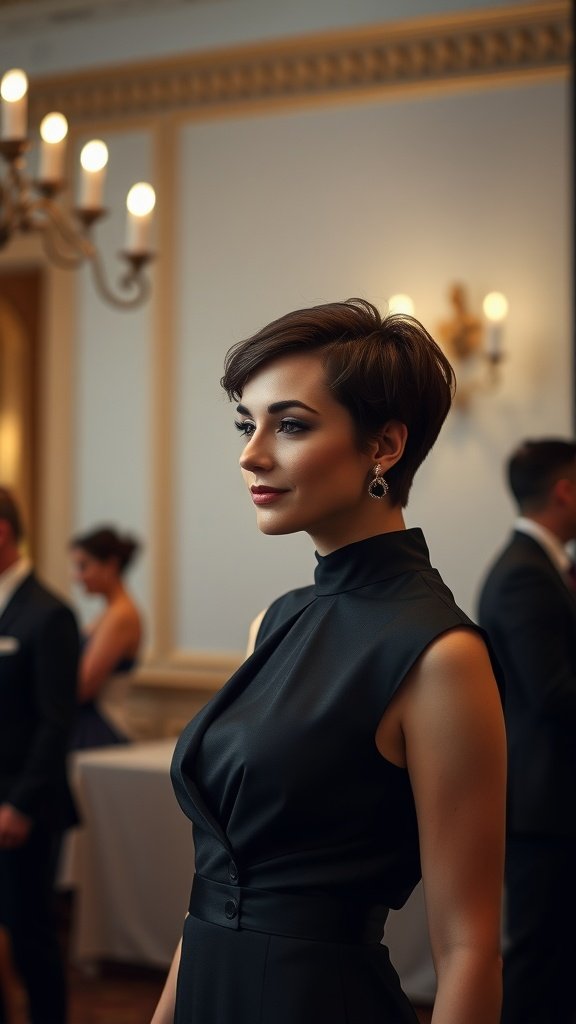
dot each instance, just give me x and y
(9, 644)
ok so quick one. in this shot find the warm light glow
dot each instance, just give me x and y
(14, 85)
(53, 128)
(141, 199)
(94, 155)
(495, 307)
(10, 446)
(401, 304)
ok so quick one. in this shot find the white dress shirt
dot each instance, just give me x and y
(547, 540)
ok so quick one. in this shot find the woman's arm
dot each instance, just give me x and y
(453, 731)
(116, 636)
(164, 1012)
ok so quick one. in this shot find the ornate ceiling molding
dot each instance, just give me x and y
(447, 51)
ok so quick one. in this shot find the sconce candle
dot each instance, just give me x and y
(14, 90)
(495, 308)
(53, 131)
(140, 202)
(93, 158)
(401, 303)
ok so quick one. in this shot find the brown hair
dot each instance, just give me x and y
(380, 369)
(105, 543)
(10, 512)
(535, 467)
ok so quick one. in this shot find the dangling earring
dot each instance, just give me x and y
(378, 488)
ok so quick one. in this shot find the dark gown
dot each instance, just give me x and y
(304, 835)
(91, 728)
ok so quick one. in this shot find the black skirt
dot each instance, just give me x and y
(238, 967)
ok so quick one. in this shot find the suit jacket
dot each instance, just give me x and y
(529, 613)
(38, 678)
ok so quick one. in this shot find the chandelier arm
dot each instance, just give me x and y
(132, 280)
(51, 242)
(60, 231)
(9, 212)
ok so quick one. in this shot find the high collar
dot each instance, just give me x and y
(371, 560)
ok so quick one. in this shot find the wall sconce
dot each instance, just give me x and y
(474, 345)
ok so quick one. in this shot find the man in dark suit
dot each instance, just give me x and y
(38, 671)
(528, 607)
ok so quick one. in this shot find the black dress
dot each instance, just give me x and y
(304, 834)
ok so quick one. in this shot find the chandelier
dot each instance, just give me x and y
(35, 205)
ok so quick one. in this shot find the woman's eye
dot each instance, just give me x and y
(292, 426)
(245, 427)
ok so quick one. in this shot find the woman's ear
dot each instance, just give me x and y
(389, 443)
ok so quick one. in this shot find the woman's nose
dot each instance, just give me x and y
(256, 454)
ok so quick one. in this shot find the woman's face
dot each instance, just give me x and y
(93, 574)
(301, 460)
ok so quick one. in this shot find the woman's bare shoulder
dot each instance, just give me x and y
(253, 632)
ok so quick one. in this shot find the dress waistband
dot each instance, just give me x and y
(317, 918)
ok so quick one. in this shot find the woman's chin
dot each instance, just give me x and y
(274, 526)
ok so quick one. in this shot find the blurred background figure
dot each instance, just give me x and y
(111, 643)
(38, 672)
(528, 607)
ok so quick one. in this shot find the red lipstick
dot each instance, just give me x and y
(263, 495)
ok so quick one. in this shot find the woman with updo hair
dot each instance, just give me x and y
(112, 641)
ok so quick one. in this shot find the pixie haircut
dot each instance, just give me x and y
(105, 543)
(379, 369)
(536, 466)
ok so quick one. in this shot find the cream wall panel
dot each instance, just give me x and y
(113, 479)
(512, 233)
(284, 211)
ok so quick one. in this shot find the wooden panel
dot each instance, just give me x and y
(21, 292)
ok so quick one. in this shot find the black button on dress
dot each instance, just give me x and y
(304, 835)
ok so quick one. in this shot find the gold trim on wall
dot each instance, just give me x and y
(448, 51)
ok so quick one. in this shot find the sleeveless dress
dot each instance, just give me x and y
(304, 834)
(104, 721)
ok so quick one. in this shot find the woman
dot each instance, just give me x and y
(362, 742)
(111, 643)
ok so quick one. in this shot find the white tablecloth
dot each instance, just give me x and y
(133, 860)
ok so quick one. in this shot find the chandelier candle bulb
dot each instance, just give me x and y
(93, 158)
(140, 202)
(14, 93)
(495, 308)
(53, 131)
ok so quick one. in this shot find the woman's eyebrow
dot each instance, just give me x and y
(291, 403)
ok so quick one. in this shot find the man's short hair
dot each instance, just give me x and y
(536, 466)
(10, 512)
